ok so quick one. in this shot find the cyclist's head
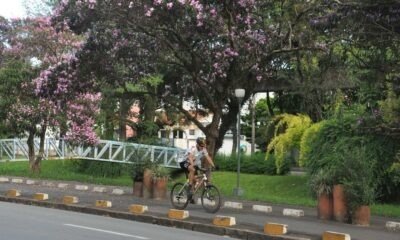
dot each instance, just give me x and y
(201, 141)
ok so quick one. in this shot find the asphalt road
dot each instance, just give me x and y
(21, 222)
(246, 218)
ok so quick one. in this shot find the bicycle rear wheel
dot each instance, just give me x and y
(178, 197)
(211, 199)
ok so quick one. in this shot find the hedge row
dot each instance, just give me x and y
(255, 164)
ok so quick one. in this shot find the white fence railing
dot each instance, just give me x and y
(108, 151)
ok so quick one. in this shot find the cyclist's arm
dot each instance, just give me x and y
(209, 160)
(191, 158)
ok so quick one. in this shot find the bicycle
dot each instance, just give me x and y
(210, 196)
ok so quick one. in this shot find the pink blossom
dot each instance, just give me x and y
(149, 12)
(170, 5)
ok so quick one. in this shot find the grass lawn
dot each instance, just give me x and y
(274, 189)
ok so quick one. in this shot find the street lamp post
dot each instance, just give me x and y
(239, 93)
(253, 123)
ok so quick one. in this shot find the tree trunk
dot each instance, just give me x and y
(31, 146)
(149, 108)
(123, 113)
(109, 125)
(35, 165)
(269, 105)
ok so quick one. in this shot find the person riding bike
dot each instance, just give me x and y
(192, 160)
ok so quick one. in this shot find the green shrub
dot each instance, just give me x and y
(255, 164)
(357, 175)
(306, 141)
(338, 138)
(288, 132)
(98, 169)
(321, 152)
(270, 166)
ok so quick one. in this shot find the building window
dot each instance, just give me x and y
(178, 134)
(163, 133)
(192, 132)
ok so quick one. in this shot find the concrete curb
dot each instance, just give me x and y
(163, 221)
(49, 183)
(393, 226)
(114, 190)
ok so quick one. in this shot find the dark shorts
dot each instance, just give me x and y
(185, 166)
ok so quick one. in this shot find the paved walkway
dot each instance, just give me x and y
(302, 222)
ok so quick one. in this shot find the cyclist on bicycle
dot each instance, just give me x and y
(193, 160)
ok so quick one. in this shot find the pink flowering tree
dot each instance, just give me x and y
(205, 49)
(51, 98)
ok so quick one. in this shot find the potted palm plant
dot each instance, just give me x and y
(359, 186)
(360, 195)
(321, 184)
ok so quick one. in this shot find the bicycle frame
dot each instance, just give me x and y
(210, 197)
(201, 181)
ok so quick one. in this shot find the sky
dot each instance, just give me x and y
(12, 8)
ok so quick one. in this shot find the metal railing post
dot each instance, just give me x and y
(14, 148)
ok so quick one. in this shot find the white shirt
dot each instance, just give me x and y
(198, 155)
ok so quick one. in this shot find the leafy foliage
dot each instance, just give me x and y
(321, 182)
(203, 49)
(255, 164)
(288, 132)
(306, 141)
(98, 169)
(13, 74)
(391, 109)
(339, 141)
(358, 177)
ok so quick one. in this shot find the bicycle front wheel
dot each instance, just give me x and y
(178, 197)
(211, 199)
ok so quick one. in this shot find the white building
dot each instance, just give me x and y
(185, 136)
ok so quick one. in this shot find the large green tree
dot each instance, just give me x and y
(369, 35)
(204, 49)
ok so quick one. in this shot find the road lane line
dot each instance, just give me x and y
(105, 231)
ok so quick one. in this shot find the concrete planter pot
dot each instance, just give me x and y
(339, 203)
(361, 216)
(160, 187)
(325, 206)
(147, 183)
(137, 189)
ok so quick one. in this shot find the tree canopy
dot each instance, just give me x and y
(204, 49)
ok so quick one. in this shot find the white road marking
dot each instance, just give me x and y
(106, 231)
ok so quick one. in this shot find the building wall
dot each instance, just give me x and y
(187, 139)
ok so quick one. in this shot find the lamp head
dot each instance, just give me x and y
(239, 93)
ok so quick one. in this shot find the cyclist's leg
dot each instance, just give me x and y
(184, 166)
(192, 171)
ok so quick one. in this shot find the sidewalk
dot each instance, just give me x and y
(302, 223)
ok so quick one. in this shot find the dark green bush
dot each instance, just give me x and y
(338, 138)
(270, 166)
(99, 169)
(255, 164)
